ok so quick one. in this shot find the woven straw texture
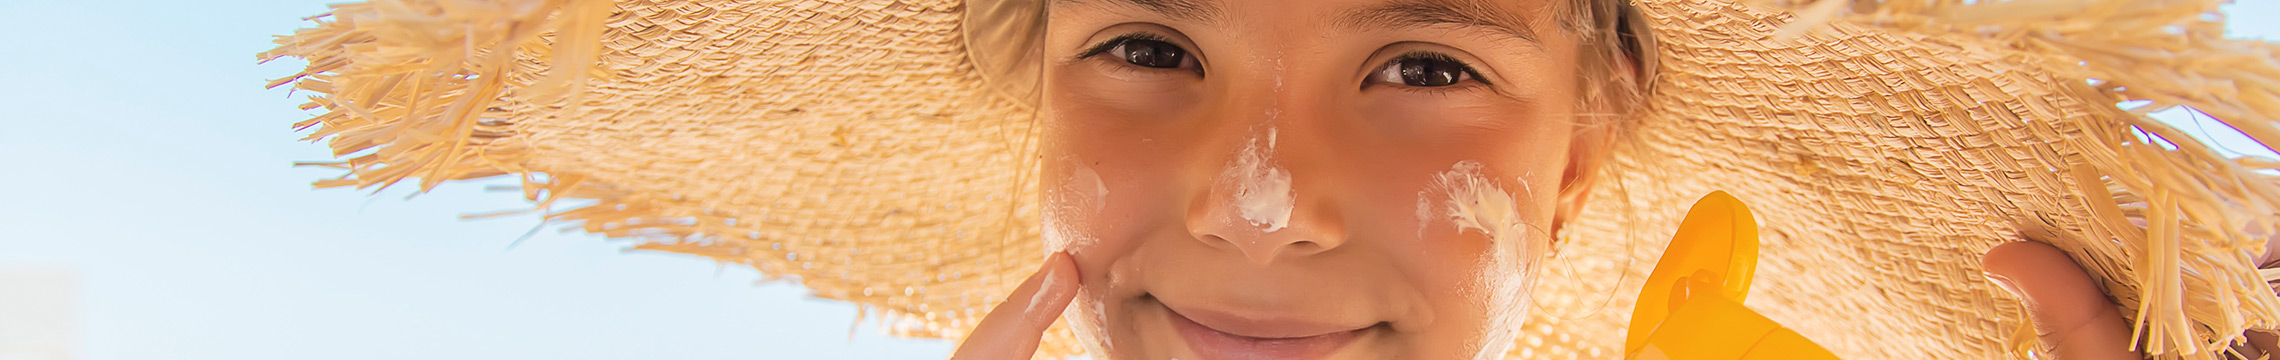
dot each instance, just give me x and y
(852, 146)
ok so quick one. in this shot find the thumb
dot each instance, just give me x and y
(1013, 328)
(2070, 312)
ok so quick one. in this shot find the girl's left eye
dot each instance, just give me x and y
(1424, 70)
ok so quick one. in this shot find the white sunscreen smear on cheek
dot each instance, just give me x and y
(1424, 214)
(1262, 190)
(1086, 179)
(1068, 205)
(1477, 204)
(1474, 203)
(1087, 317)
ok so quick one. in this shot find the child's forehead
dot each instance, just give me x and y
(1522, 19)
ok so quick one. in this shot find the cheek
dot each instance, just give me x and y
(1479, 238)
(1072, 211)
(1104, 187)
(1122, 205)
(1081, 213)
(1113, 165)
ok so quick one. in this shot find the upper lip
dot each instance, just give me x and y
(1266, 326)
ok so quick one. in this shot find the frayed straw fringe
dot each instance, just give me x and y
(409, 86)
(409, 90)
(2184, 221)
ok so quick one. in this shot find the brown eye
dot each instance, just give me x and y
(1425, 70)
(1145, 52)
(1150, 53)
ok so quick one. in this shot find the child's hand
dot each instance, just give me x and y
(1011, 331)
(2073, 316)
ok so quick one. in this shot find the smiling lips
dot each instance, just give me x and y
(1215, 335)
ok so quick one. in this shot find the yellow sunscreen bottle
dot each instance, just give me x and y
(1691, 307)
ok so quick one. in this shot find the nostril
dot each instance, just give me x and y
(1312, 246)
(1306, 245)
(1216, 240)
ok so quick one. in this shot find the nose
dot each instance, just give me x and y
(1259, 205)
(1220, 222)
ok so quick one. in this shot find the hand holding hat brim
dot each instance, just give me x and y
(2072, 316)
(2070, 313)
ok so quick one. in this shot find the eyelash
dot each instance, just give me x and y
(1104, 46)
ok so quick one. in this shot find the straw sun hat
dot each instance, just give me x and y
(863, 149)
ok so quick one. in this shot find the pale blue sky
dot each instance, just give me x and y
(145, 154)
(146, 157)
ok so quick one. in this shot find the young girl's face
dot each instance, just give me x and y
(1306, 178)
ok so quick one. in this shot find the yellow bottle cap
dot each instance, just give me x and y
(1691, 307)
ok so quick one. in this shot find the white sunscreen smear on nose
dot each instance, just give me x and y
(1262, 190)
(1474, 203)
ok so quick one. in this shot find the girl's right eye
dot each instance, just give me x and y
(1145, 50)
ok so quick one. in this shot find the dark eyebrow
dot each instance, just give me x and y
(1426, 13)
(1186, 10)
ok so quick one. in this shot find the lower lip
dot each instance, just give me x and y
(1213, 344)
